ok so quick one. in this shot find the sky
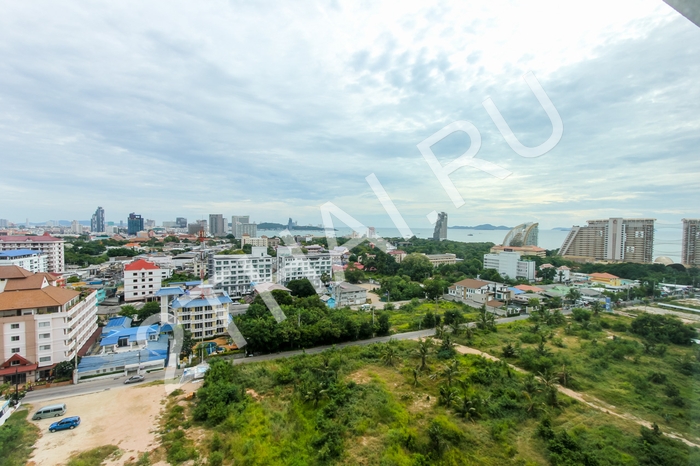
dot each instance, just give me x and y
(273, 109)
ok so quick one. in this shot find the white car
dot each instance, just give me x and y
(134, 379)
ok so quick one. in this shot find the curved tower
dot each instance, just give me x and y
(524, 234)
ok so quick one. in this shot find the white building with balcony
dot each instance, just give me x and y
(509, 265)
(298, 266)
(43, 324)
(236, 274)
(52, 247)
(203, 310)
(28, 259)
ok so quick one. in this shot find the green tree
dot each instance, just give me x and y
(301, 288)
(149, 309)
(425, 345)
(128, 311)
(434, 288)
(416, 266)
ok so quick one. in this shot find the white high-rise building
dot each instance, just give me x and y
(613, 239)
(76, 228)
(298, 266)
(46, 244)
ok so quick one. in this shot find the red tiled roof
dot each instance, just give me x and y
(29, 299)
(471, 283)
(34, 239)
(534, 289)
(141, 264)
(13, 271)
(19, 369)
(15, 357)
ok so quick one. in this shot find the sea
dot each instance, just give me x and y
(667, 237)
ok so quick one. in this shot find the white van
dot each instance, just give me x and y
(50, 411)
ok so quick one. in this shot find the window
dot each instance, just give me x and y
(44, 335)
(45, 359)
(44, 324)
(44, 347)
(15, 350)
(15, 338)
(14, 326)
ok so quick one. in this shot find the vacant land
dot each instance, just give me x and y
(126, 418)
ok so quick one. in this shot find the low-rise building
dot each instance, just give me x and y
(255, 242)
(509, 265)
(28, 259)
(52, 247)
(605, 279)
(347, 294)
(236, 274)
(520, 250)
(309, 266)
(203, 310)
(441, 259)
(142, 279)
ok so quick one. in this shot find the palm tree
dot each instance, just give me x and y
(573, 295)
(456, 327)
(469, 333)
(424, 347)
(389, 354)
(449, 371)
(549, 381)
(315, 393)
(416, 373)
(447, 396)
(596, 307)
(564, 376)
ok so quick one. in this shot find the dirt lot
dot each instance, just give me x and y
(126, 417)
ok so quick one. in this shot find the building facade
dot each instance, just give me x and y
(142, 279)
(52, 247)
(97, 223)
(134, 224)
(309, 266)
(255, 242)
(525, 234)
(690, 243)
(347, 294)
(614, 239)
(237, 273)
(442, 259)
(509, 265)
(440, 232)
(217, 226)
(41, 323)
(28, 259)
(204, 310)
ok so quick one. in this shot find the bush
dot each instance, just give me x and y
(581, 315)
(663, 329)
(529, 337)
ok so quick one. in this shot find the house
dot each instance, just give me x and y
(347, 294)
(469, 288)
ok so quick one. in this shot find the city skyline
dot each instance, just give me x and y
(355, 103)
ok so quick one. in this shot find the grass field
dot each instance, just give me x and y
(602, 358)
(380, 405)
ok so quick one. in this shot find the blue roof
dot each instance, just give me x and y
(201, 302)
(117, 323)
(154, 351)
(133, 334)
(171, 291)
(194, 283)
(18, 252)
(515, 290)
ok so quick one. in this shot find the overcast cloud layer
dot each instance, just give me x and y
(272, 109)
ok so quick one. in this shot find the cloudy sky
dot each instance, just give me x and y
(273, 109)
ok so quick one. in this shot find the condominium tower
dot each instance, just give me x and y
(690, 252)
(613, 239)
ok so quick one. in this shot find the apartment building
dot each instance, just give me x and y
(298, 266)
(217, 226)
(28, 259)
(256, 242)
(203, 310)
(442, 259)
(235, 273)
(40, 325)
(142, 279)
(480, 291)
(347, 294)
(509, 265)
(613, 239)
(690, 243)
(52, 247)
(521, 250)
(134, 224)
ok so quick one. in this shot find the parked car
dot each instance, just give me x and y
(67, 423)
(50, 411)
(134, 379)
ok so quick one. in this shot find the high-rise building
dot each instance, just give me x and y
(440, 232)
(181, 222)
(217, 227)
(240, 225)
(76, 227)
(613, 239)
(509, 265)
(690, 250)
(97, 224)
(149, 224)
(525, 234)
(135, 224)
(4, 223)
(237, 273)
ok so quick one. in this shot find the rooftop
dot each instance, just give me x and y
(46, 237)
(18, 253)
(141, 264)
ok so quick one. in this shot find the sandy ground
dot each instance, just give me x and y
(126, 418)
